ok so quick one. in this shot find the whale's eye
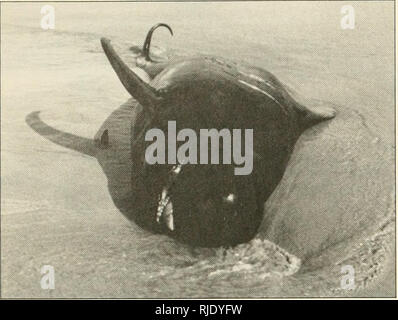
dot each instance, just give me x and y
(230, 198)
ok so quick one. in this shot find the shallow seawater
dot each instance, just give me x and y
(334, 206)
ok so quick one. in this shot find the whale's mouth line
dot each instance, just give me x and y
(163, 201)
(164, 212)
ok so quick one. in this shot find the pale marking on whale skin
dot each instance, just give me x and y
(257, 78)
(264, 92)
(168, 216)
(253, 76)
(166, 75)
(177, 169)
(230, 198)
(142, 74)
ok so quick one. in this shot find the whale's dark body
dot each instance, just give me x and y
(209, 92)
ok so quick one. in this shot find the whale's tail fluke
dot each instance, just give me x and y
(67, 140)
(139, 89)
(147, 43)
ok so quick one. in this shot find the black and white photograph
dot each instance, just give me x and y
(198, 150)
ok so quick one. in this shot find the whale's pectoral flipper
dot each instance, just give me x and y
(146, 95)
(67, 140)
(312, 116)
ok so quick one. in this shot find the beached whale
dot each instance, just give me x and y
(204, 204)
